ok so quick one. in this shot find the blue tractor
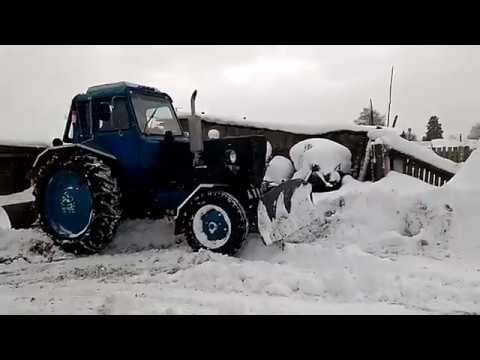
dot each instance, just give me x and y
(124, 154)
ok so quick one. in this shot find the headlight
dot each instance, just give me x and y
(231, 156)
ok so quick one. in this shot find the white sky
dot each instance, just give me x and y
(321, 84)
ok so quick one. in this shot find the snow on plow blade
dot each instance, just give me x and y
(284, 209)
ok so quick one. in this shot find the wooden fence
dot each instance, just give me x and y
(385, 160)
(454, 153)
(15, 162)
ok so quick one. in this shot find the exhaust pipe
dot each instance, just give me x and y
(196, 135)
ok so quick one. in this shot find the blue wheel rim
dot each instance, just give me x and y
(214, 225)
(68, 204)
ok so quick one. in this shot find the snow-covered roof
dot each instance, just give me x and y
(297, 128)
(412, 148)
(33, 144)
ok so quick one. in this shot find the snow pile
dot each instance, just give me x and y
(463, 192)
(378, 217)
(468, 177)
(393, 140)
(279, 169)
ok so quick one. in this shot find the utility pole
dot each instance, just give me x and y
(371, 113)
(390, 98)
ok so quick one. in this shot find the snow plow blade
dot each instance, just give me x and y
(284, 209)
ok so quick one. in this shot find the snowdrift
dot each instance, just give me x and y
(395, 246)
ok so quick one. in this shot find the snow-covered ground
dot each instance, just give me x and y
(396, 246)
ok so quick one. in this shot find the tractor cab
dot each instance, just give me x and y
(135, 124)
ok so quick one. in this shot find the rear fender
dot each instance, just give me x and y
(66, 150)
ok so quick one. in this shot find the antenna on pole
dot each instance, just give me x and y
(390, 98)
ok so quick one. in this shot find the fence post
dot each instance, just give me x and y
(378, 162)
(467, 152)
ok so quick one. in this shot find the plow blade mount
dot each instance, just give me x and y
(284, 209)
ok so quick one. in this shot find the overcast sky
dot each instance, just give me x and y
(315, 84)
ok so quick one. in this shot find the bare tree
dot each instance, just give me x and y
(365, 119)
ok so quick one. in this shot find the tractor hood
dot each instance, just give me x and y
(235, 160)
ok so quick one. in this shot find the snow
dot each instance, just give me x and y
(468, 177)
(396, 246)
(24, 196)
(4, 220)
(391, 138)
(279, 169)
(213, 134)
(35, 144)
(268, 153)
(321, 127)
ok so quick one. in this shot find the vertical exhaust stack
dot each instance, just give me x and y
(196, 136)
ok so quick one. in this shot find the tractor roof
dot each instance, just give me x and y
(121, 88)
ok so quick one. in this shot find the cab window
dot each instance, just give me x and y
(155, 116)
(116, 120)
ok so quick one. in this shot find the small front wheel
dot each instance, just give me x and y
(216, 221)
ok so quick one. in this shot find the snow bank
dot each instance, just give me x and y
(463, 193)
(380, 218)
(468, 177)
(391, 138)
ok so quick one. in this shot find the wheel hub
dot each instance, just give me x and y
(68, 203)
(212, 226)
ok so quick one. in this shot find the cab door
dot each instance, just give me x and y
(163, 145)
(113, 133)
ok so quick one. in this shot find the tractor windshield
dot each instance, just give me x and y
(155, 115)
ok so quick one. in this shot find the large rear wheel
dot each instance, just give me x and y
(78, 199)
